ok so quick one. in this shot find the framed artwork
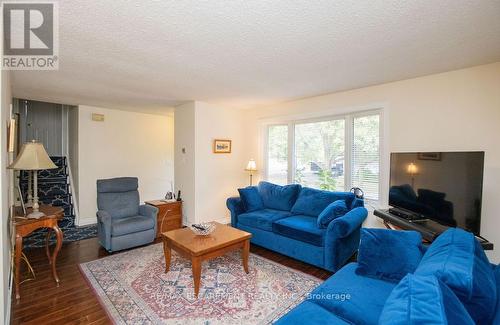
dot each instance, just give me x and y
(429, 156)
(222, 146)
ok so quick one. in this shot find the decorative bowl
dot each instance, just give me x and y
(203, 229)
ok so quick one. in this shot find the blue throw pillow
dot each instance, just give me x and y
(311, 202)
(331, 212)
(457, 259)
(278, 197)
(423, 300)
(388, 254)
(251, 198)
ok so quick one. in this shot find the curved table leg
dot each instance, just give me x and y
(18, 252)
(47, 242)
(59, 236)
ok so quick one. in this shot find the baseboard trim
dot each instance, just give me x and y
(86, 221)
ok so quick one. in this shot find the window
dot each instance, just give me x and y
(277, 154)
(319, 154)
(332, 153)
(365, 171)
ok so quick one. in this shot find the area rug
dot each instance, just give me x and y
(134, 289)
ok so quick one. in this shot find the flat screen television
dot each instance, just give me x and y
(442, 186)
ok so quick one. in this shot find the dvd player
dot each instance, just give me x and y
(407, 215)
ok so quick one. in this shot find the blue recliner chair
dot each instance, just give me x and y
(121, 222)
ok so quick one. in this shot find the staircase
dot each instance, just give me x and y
(54, 188)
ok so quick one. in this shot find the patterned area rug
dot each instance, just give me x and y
(134, 289)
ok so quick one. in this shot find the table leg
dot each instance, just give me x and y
(245, 253)
(196, 264)
(18, 252)
(168, 255)
(47, 250)
(59, 236)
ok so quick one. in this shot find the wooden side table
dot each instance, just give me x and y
(169, 215)
(24, 227)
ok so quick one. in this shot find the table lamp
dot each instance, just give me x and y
(251, 167)
(33, 157)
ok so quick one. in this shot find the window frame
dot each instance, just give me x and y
(348, 118)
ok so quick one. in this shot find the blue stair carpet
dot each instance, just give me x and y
(54, 188)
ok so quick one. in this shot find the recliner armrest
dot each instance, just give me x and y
(104, 217)
(352, 220)
(148, 210)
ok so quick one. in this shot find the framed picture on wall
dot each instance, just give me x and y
(222, 146)
(429, 156)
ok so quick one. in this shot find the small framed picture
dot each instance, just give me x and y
(429, 156)
(222, 146)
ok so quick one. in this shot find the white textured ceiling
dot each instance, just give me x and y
(154, 54)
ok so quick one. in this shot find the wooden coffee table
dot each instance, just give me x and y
(200, 248)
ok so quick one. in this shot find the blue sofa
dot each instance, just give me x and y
(285, 219)
(452, 282)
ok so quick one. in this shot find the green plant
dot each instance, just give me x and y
(327, 182)
(299, 176)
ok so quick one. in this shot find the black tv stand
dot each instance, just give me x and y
(395, 218)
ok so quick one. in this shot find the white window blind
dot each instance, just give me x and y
(277, 154)
(365, 170)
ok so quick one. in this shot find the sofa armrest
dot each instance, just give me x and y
(342, 238)
(235, 205)
(347, 224)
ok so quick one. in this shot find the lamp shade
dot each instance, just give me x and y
(412, 169)
(32, 157)
(251, 166)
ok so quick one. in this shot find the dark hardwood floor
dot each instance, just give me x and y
(73, 302)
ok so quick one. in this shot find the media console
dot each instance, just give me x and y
(429, 229)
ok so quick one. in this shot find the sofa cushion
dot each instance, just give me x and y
(387, 254)
(311, 202)
(364, 296)
(130, 225)
(251, 198)
(457, 259)
(332, 211)
(423, 300)
(278, 197)
(310, 313)
(303, 228)
(262, 219)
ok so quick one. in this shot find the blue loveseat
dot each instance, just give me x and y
(285, 219)
(451, 282)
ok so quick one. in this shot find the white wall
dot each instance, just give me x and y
(185, 161)
(207, 179)
(5, 198)
(453, 111)
(73, 148)
(218, 176)
(125, 144)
